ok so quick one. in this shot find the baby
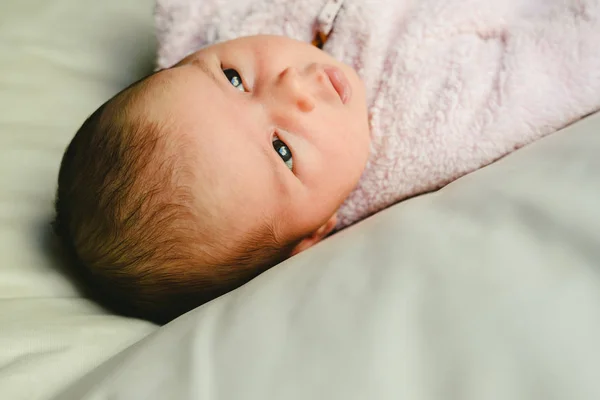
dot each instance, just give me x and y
(217, 167)
(196, 179)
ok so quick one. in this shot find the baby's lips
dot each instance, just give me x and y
(340, 83)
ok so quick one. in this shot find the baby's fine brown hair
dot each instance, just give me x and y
(125, 215)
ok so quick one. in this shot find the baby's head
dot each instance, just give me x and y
(196, 179)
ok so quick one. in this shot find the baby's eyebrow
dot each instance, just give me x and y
(205, 68)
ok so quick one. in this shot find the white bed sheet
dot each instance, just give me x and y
(59, 60)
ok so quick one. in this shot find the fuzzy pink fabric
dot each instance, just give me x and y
(452, 85)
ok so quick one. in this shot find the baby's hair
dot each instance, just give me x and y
(126, 218)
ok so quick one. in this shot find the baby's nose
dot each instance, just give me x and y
(295, 90)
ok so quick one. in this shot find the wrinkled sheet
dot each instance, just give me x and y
(59, 60)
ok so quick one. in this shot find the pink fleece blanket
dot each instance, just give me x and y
(452, 85)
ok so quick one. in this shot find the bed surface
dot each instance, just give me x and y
(59, 60)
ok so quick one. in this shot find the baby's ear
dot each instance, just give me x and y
(316, 236)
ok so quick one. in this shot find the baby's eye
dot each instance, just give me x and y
(284, 152)
(234, 78)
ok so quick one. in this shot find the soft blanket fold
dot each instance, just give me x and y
(452, 85)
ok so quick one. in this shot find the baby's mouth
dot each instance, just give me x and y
(339, 82)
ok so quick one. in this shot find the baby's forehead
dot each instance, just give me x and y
(213, 154)
(141, 107)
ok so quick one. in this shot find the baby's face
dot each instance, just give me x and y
(276, 131)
